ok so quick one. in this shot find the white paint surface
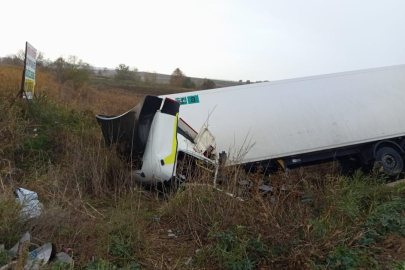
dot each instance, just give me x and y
(290, 117)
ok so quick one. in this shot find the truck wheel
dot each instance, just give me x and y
(390, 160)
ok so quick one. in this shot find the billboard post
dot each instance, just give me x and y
(28, 75)
(28, 80)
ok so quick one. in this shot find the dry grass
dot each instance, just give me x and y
(97, 99)
(314, 219)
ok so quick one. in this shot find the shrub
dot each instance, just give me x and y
(72, 69)
(235, 249)
(188, 83)
(177, 77)
(208, 84)
(12, 225)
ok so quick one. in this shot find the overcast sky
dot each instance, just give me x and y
(223, 39)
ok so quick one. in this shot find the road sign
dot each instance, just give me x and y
(29, 70)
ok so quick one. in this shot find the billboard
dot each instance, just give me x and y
(29, 70)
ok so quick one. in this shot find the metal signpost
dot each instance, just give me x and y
(28, 75)
(28, 79)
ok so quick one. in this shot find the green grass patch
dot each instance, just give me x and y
(234, 249)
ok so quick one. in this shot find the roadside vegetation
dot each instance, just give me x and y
(314, 219)
(77, 72)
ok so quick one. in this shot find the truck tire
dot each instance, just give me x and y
(390, 161)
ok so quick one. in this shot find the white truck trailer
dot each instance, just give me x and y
(353, 117)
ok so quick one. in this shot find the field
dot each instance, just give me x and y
(315, 218)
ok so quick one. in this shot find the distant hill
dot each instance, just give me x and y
(165, 79)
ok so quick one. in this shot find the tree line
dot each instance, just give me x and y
(70, 69)
(76, 71)
(178, 78)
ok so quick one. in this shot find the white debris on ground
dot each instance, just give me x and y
(30, 202)
(62, 257)
(191, 259)
(36, 258)
(24, 239)
(39, 257)
(31, 208)
(171, 234)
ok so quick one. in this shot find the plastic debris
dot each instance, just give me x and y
(24, 239)
(29, 199)
(62, 257)
(40, 256)
(307, 198)
(172, 235)
(36, 258)
(189, 260)
(266, 188)
(8, 266)
(245, 183)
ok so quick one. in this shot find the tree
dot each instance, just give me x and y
(208, 84)
(135, 74)
(16, 59)
(40, 59)
(188, 83)
(73, 69)
(177, 77)
(151, 77)
(122, 72)
(20, 56)
(58, 67)
(77, 71)
(240, 82)
(248, 81)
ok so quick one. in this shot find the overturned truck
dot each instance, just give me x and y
(353, 117)
(152, 137)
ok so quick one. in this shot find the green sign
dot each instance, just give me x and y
(188, 100)
(182, 100)
(193, 99)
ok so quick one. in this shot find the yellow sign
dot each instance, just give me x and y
(30, 67)
(29, 86)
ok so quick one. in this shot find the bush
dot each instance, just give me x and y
(399, 266)
(12, 225)
(235, 249)
(5, 257)
(342, 259)
(177, 77)
(123, 73)
(208, 84)
(188, 83)
(71, 70)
